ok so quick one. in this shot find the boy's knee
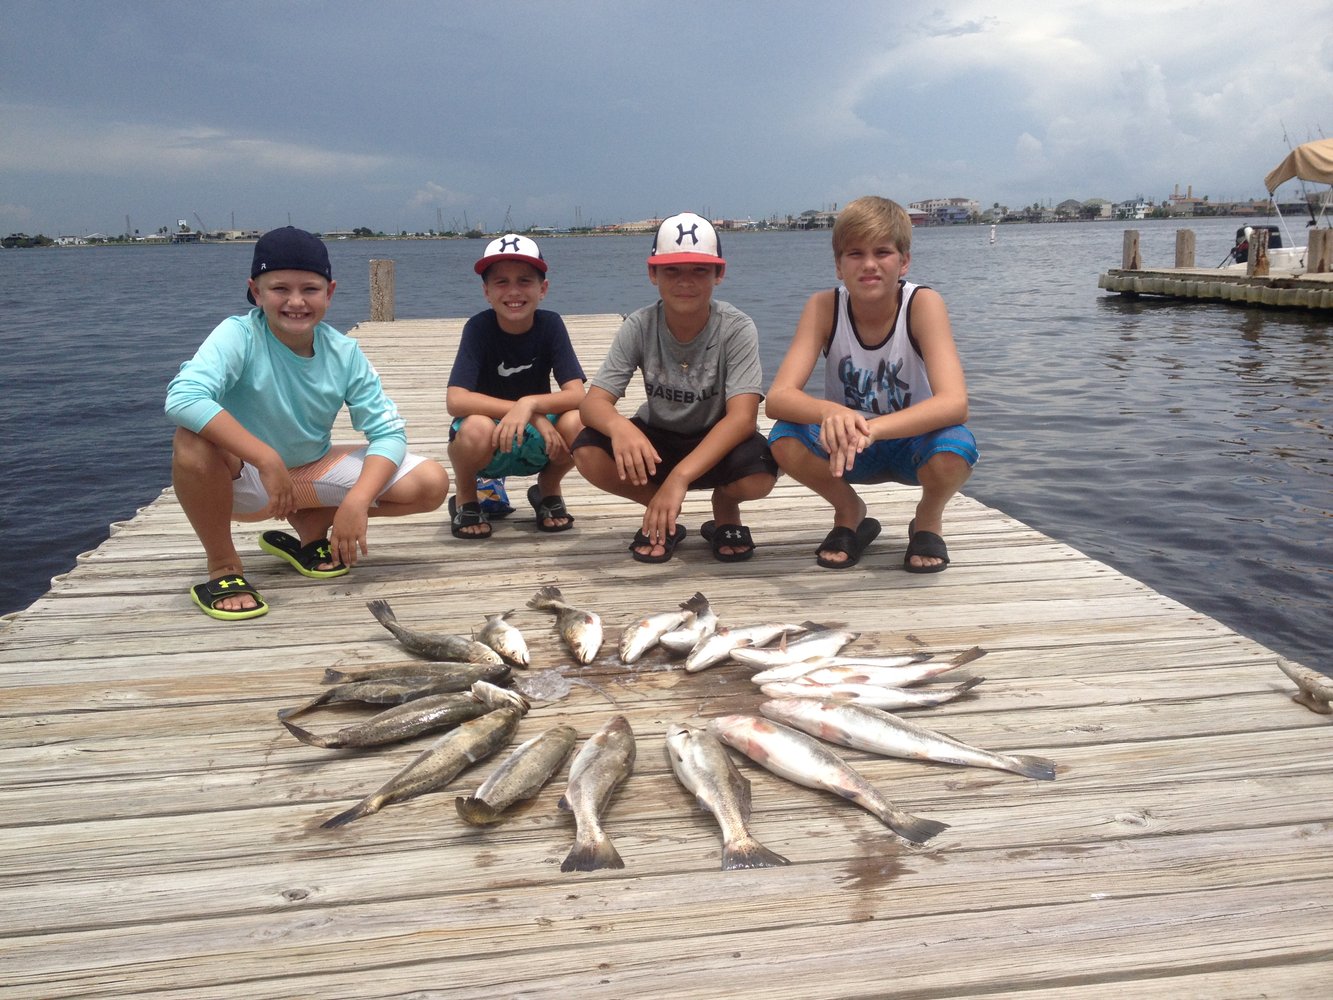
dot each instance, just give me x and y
(944, 468)
(191, 452)
(431, 483)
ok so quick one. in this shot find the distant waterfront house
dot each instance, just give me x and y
(946, 211)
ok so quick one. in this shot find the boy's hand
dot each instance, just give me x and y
(279, 487)
(347, 536)
(662, 512)
(844, 435)
(508, 433)
(636, 458)
(555, 444)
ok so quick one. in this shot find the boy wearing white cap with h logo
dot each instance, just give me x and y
(699, 360)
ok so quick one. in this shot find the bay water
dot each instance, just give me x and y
(1185, 444)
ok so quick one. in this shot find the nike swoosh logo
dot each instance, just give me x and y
(506, 372)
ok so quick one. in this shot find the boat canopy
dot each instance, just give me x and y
(1310, 162)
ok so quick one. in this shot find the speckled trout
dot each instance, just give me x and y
(519, 778)
(600, 767)
(433, 645)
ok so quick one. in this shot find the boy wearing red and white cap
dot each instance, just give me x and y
(507, 419)
(699, 360)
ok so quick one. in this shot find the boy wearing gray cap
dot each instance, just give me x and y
(255, 408)
(698, 428)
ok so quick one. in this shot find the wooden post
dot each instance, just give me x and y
(1319, 252)
(381, 291)
(1257, 264)
(1184, 248)
(1129, 254)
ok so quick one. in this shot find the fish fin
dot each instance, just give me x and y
(382, 612)
(913, 829)
(967, 656)
(564, 804)
(332, 676)
(307, 737)
(291, 713)
(695, 604)
(749, 853)
(969, 684)
(473, 810)
(1033, 767)
(591, 854)
(363, 808)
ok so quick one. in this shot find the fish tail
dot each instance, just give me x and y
(363, 808)
(591, 853)
(695, 604)
(291, 713)
(542, 600)
(969, 684)
(967, 656)
(473, 810)
(913, 829)
(749, 853)
(1032, 767)
(382, 612)
(307, 737)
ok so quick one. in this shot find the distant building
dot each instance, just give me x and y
(945, 211)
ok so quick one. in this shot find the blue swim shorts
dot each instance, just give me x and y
(528, 459)
(895, 460)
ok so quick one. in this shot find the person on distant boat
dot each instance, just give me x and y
(895, 401)
(698, 428)
(507, 421)
(255, 408)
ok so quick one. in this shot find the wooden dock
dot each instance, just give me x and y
(160, 831)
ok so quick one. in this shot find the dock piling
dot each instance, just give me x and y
(381, 291)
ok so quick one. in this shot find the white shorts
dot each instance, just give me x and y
(321, 483)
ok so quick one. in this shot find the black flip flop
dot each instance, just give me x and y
(466, 516)
(207, 595)
(732, 536)
(549, 508)
(669, 544)
(847, 541)
(303, 558)
(928, 544)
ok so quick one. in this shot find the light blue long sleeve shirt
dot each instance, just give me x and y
(287, 401)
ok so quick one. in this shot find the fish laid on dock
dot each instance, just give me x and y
(818, 643)
(680, 641)
(371, 692)
(505, 639)
(873, 695)
(704, 767)
(415, 718)
(433, 645)
(470, 743)
(450, 675)
(600, 767)
(903, 670)
(581, 630)
(644, 634)
(719, 646)
(801, 758)
(519, 778)
(879, 732)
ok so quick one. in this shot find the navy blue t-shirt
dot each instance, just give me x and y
(514, 365)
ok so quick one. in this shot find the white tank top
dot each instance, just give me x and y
(874, 378)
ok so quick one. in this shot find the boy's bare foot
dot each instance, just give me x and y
(240, 602)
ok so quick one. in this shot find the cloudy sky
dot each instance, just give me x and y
(398, 115)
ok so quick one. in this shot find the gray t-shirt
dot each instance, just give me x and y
(687, 385)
